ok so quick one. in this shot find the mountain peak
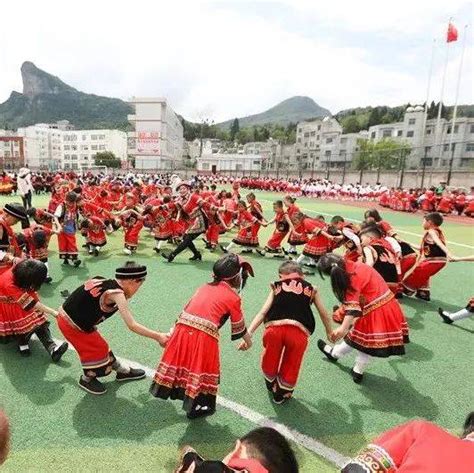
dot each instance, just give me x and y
(37, 82)
(293, 109)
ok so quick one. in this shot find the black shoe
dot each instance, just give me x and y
(197, 413)
(77, 263)
(399, 295)
(65, 293)
(48, 280)
(66, 262)
(196, 257)
(167, 257)
(357, 377)
(279, 398)
(322, 345)
(308, 273)
(446, 318)
(260, 252)
(224, 249)
(133, 374)
(247, 251)
(424, 296)
(157, 250)
(58, 351)
(24, 350)
(96, 252)
(94, 386)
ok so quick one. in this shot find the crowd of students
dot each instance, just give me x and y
(375, 269)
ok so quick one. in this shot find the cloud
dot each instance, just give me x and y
(224, 60)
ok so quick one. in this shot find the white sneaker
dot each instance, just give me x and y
(127, 251)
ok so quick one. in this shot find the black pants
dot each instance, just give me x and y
(188, 242)
(26, 200)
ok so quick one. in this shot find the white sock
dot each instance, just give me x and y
(230, 245)
(120, 368)
(47, 268)
(127, 251)
(341, 349)
(300, 259)
(97, 248)
(158, 244)
(460, 314)
(361, 362)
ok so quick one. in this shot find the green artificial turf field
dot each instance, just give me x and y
(58, 427)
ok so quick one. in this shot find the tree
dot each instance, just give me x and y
(107, 158)
(234, 128)
(351, 125)
(374, 117)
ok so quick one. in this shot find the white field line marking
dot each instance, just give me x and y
(358, 221)
(256, 418)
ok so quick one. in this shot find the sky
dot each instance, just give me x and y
(224, 59)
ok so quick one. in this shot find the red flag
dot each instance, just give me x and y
(452, 33)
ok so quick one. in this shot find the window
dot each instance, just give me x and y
(456, 128)
(327, 153)
(328, 140)
(94, 147)
(7, 154)
(311, 144)
(429, 131)
(102, 147)
(85, 148)
(300, 130)
(470, 147)
(400, 133)
(472, 129)
(411, 121)
(306, 145)
(343, 141)
(73, 157)
(306, 135)
(66, 156)
(299, 140)
(410, 134)
(465, 162)
(84, 157)
(256, 163)
(313, 133)
(74, 147)
(84, 137)
(372, 135)
(93, 137)
(319, 127)
(101, 137)
(386, 133)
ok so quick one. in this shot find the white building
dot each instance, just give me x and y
(314, 136)
(220, 162)
(430, 140)
(80, 146)
(58, 146)
(157, 139)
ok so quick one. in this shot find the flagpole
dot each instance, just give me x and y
(453, 121)
(425, 115)
(438, 138)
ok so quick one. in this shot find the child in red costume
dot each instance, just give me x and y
(282, 227)
(189, 369)
(417, 446)
(67, 214)
(373, 324)
(434, 255)
(289, 322)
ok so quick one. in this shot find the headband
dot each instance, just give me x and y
(131, 272)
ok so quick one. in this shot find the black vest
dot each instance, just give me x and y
(86, 306)
(292, 299)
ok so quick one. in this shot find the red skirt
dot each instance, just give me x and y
(406, 263)
(245, 238)
(317, 246)
(275, 240)
(419, 278)
(382, 332)
(67, 245)
(189, 369)
(212, 234)
(94, 352)
(14, 321)
(164, 231)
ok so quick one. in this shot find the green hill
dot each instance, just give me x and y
(292, 110)
(46, 99)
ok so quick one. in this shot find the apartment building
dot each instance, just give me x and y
(228, 163)
(12, 154)
(157, 139)
(429, 144)
(58, 146)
